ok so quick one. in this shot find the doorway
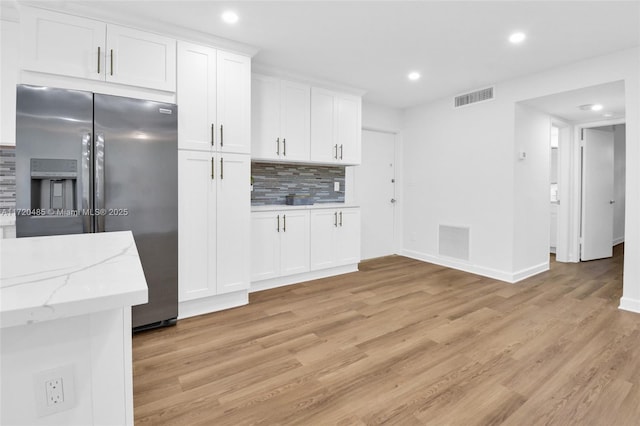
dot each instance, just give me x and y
(375, 192)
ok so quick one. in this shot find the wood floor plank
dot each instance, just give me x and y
(403, 342)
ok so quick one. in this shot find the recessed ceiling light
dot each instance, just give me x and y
(516, 38)
(607, 115)
(230, 17)
(590, 107)
(413, 76)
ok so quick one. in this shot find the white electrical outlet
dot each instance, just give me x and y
(336, 186)
(54, 390)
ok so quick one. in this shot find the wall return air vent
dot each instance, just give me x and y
(473, 97)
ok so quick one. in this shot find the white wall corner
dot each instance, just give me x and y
(628, 304)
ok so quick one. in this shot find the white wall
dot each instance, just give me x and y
(461, 168)
(531, 237)
(619, 159)
(378, 117)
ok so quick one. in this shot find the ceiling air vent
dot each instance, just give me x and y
(473, 97)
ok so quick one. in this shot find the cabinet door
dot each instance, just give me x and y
(294, 242)
(265, 245)
(196, 96)
(233, 212)
(349, 128)
(348, 237)
(265, 118)
(138, 58)
(295, 121)
(323, 128)
(61, 44)
(234, 103)
(322, 239)
(197, 226)
(9, 69)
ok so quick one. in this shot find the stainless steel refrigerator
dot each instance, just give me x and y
(87, 162)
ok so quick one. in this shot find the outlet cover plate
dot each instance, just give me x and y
(51, 400)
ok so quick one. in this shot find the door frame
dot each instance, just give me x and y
(570, 229)
(398, 228)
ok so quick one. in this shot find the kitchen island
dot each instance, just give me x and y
(65, 313)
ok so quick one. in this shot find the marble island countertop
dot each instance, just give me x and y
(46, 278)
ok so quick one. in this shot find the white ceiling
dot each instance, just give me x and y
(372, 45)
(565, 105)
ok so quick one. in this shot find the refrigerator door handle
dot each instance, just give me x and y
(86, 182)
(98, 193)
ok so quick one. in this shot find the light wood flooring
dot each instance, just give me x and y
(407, 343)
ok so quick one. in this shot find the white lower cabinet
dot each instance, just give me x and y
(214, 219)
(279, 243)
(290, 246)
(335, 238)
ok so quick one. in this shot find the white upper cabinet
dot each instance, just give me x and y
(68, 45)
(265, 118)
(281, 115)
(295, 120)
(233, 103)
(196, 94)
(214, 98)
(336, 127)
(62, 44)
(138, 58)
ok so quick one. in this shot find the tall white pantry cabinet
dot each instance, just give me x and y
(214, 167)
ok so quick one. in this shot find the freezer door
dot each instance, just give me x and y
(136, 186)
(53, 160)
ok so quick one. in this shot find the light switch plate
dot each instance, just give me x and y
(336, 186)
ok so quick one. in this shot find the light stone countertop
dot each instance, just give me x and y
(280, 207)
(46, 278)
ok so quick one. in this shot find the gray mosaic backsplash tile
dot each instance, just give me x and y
(273, 182)
(7, 177)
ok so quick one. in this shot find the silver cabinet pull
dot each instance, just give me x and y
(221, 168)
(341, 151)
(111, 61)
(335, 155)
(213, 132)
(86, 179)
(335, 219)
(221, 136)
(278, 219)
(284, 223)
(278, 146)
(213, 176)
(340, 218)
(98, 59)
(610, 201)
(284, 147)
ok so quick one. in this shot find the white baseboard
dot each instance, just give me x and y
(207, 305)
(523, 274)
(299, 278)
(618, 240)
(631, 305)
(509, 277)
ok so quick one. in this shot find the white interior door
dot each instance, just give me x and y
(597, 194)
(375, 193)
